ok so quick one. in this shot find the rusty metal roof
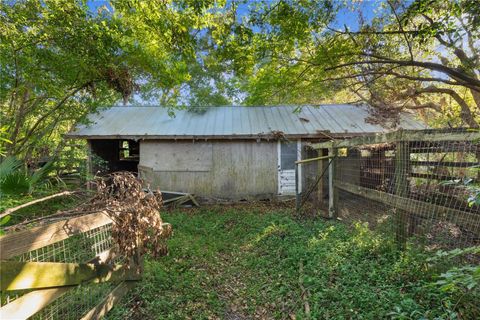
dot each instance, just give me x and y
(233, 122)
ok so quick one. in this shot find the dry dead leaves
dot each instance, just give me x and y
(137, 225)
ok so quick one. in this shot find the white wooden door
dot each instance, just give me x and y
(288, 153)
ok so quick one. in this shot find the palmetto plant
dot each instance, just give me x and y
(16, 179)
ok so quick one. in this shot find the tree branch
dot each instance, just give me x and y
(465, 112)
(472, 82)
(55, 108)
(401, 29)
(397, 75)
(392, 32)
(428, 105)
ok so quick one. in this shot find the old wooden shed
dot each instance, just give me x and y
(221, 152)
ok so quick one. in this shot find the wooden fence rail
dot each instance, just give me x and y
(422, 174)
(52, 280)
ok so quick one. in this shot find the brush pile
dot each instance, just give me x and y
(137, 225)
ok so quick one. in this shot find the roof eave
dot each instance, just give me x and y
(320, 135)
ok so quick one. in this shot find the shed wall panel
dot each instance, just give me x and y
(179, 156)
(238, 169)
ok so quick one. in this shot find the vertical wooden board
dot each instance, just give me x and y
(299, 181)
(190, 182)
(265, 174)
(279, 171)
(402, 168)
(354, 165)
(90, 166)
(177, 166)
(321, 167)
(332, 190)
(222, 184)
(242, 168)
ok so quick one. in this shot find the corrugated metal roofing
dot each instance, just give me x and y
(240, 122)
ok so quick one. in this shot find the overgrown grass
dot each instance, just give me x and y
(246, 263)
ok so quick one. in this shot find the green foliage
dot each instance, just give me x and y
(254, 263)
(296, 52)
(3, 222)
(15, 183)
(3, 141)
(15, 178)
(472, 188)
(41, 209)
(61, 61)
(8, 166)
(459, 279)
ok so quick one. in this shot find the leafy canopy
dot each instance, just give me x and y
(62, 60)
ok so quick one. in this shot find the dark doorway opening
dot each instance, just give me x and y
(114, 155)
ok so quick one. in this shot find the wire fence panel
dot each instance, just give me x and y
(78, 248)
(415, 185)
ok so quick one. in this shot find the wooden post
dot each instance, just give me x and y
(89, 172)
(402, 169)
(321, 167)
(354, 160)
(332, 191)
(297, 189)
(478, 170)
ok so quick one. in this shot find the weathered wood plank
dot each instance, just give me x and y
(174, 199)
(469, 146)
(445, 164)
(332, 191)
(17, 243)
(433, 136)
(192, 198)
(402, 168)
(401, 135)
(321, 167)
(423, 209)
(401, 187)
(38, 275)
(312, 159)
(107, 303)
(432, 176)
(31, 303)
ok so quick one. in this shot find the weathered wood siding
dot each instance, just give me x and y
(230, 169)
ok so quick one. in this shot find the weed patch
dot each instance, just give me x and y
(238, 264)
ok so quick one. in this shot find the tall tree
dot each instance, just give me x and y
(421, 55)
(60, 60)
